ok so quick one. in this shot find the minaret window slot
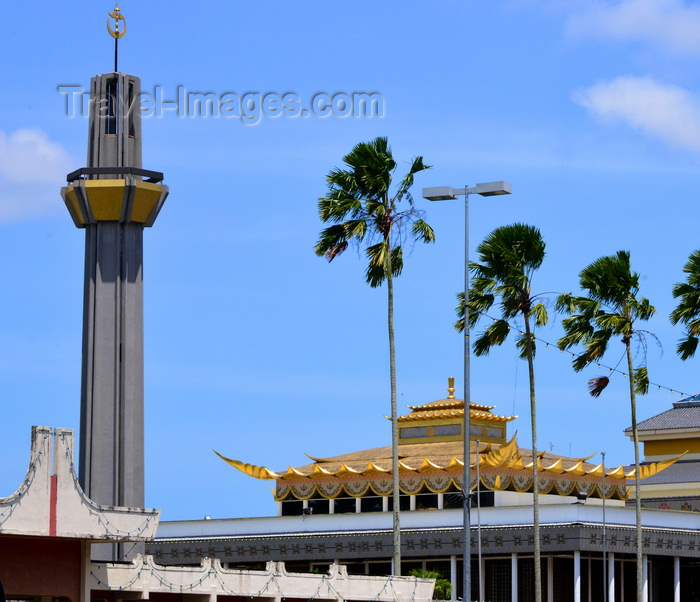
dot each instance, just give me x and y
(130, 109)
(112, 107)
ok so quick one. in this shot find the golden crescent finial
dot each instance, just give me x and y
(117, 16)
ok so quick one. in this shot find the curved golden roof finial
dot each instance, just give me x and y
(450, 387)
(117, 16)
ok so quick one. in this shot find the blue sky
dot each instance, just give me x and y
(259, 349)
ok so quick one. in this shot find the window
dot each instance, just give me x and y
(371, 503)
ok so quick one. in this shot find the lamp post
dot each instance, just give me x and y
(447, 193)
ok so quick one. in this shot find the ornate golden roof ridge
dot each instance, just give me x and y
(491, 456)
(451, 408)
(441, 414)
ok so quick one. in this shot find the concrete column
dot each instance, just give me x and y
(358, 505)
(85, 553)
(385, 503)
(412, 502)
(577, 576)
(676, 579)
(453, 576)
(590, 579)
(622, 580)
(279, 508)
(441, 501)
(482, 573)
(645, 578)
(611, 577)
(514, 577)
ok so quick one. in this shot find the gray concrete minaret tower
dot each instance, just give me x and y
(113, 199)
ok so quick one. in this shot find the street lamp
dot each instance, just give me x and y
(447, 193)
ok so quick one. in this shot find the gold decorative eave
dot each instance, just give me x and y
(427, 465)
(344, 471)
(557, 467)
(372, 468)
(318, 471)
(649, 470)
(441, 404)
(503, 457)
(442, 414)
(479, 415)
(454, 464)
(431, 415)
(257, 472)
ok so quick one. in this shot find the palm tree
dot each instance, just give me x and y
(362, 209)
(509, 257)
(688, 310)
(611, 309)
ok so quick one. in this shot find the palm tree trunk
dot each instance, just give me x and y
(396, 494)
(535, 462)
(637, 496)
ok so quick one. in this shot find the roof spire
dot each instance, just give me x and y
(450, 387)
(114, 31)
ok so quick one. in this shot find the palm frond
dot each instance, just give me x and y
(479, 304)
(376, 272)
(330, 238)
(565, 303)
(610, 309)
(422, 231)
(521, 344)
(459, 310)
(336, 250)
(396, 260)
(688, 310)
(641, 380)
(596, 385)
(577, 329)
(355, 229)
(417, 165)
(687, 347)
(618, 324)
(539, 314)
(610, 279)
(643, 310)
(495, 334)
(360, 205)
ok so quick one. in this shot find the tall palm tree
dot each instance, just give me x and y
(688, 310)
(611, 309)
(508, 259)
(363, 209)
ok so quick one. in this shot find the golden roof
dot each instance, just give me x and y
(445, 456)
(422, 462)
(451, 408)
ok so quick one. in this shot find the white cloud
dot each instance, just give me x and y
(665, 111)
(671, 24)
(32, 169)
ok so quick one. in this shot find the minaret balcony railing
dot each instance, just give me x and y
(124, 200)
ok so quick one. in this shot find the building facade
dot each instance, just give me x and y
(336, 511)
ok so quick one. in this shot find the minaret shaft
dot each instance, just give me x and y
(112, 399)
(113, 199)
(112, 429)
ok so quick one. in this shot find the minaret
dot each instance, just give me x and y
(113, 199)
